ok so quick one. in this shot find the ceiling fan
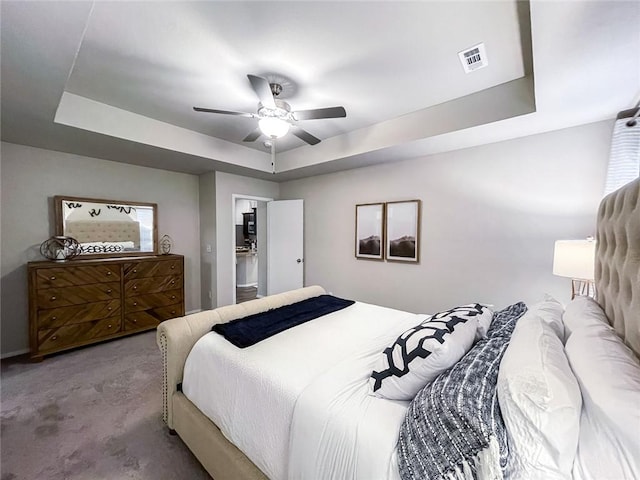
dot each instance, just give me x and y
(275, 117)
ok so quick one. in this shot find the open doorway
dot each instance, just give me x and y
(250, 247)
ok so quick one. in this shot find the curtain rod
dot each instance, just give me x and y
(632, 114)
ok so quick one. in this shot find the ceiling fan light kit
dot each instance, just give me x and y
(274, 127)
(275, 118)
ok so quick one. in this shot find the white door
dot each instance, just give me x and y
(285, 223)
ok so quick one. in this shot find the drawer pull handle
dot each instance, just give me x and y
(173, 297)
(173, 312)
(109, 291)
(173, 267)
(54, 338)
(53, 298)
(53, 277)
(135, 304)
(135, 287)
(135, 321)
(172, 282)
(109, 308)
(135, 271)
(108, 273)
(109, 326)
(54, 318)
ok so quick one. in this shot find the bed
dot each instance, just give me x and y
(242, 421)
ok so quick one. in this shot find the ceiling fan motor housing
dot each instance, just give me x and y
(282, 110)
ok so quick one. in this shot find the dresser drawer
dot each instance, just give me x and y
(57, 317)
(70, 276)
(152, 300)
(151, 317)
(158, 268)
(79, 334)
(152, 285)
(59, 297)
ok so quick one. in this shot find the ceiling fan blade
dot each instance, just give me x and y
(224, 112)
(253, 136)
(316, 113)
(263, 90)
(304, 135)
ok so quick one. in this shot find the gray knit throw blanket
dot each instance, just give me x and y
(453, 429)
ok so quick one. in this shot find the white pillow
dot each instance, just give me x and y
(608, 373)
(550, 311)
(539, 398)
(581, 312)
(423, 352)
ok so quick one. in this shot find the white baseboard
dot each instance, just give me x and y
(14, 354)
(248, 285)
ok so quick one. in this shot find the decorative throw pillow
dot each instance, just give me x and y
(453, 427)
(484, 322)
(423, 352)
(608, 373)
(539, 398)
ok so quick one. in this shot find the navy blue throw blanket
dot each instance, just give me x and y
(250, 330)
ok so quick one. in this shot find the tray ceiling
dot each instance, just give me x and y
(118, 80)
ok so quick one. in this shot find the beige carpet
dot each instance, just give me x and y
(89, 414)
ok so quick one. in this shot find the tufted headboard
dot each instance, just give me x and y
(87, 231)
(617, 268)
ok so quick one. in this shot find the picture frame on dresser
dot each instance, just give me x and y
(86, 301)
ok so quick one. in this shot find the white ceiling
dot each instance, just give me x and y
(118, 80)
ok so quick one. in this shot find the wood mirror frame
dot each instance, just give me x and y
(108, 228)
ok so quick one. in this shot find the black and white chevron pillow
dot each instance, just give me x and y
(423, 352)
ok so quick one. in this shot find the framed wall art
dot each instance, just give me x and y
(370, 231)
(402, 236)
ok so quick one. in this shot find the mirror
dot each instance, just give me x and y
(108, 228)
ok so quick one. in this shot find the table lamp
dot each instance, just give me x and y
(575, 259)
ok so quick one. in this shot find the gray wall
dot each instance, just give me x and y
(226, 186)
(263, 265)
(490, 216)
(489, 219)
(32, 176)
(207, 189)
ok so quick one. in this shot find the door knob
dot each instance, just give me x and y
(299, 260)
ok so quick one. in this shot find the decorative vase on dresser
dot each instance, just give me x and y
(81, 302)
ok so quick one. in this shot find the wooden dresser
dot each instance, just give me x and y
(80, 302)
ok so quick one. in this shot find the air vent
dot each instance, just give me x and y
(473, 58)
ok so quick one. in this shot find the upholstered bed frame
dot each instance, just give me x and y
(617, 284)
(618, 261)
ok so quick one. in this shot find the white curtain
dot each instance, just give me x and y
(624, 159)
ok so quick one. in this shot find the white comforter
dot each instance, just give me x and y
(340, 431)
(314, 377)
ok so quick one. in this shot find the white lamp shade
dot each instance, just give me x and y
(273, 127)
(574, 259)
